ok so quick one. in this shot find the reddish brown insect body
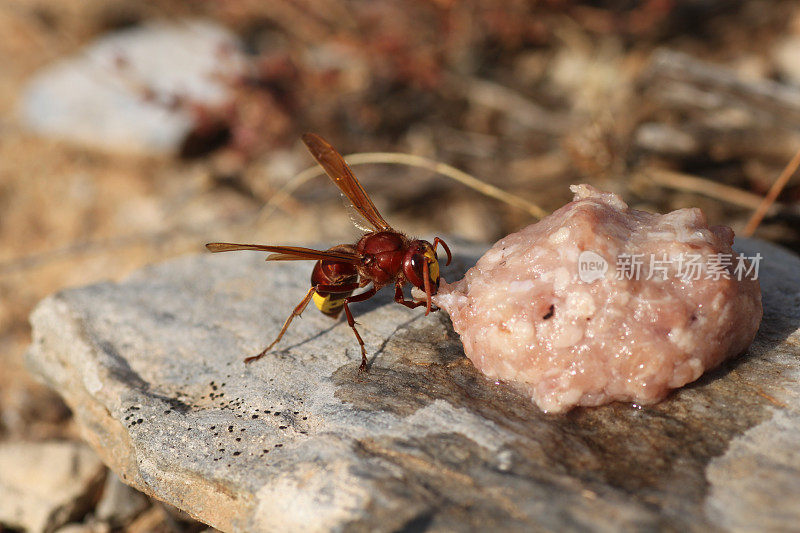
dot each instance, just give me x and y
(381, 257)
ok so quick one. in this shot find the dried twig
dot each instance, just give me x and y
(395, 158)
(772, 195)
(685, 182)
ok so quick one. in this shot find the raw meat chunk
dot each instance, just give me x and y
(599, 302)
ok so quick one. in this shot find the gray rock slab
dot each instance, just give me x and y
(97, 96)
(43, 485)
(300, 441)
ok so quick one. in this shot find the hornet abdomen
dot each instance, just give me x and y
(332, 273)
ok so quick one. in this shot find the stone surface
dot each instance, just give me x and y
(152, 368)
(45, 485)
(98, 96)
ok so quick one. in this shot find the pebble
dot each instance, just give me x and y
(99, 96)
(44, 485)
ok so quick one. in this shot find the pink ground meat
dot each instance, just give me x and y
(528, 315)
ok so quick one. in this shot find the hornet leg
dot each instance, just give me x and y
(297, 312)
(401, 299)
(352, 323)
(411, 304)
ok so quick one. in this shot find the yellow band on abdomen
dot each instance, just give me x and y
(330, 304)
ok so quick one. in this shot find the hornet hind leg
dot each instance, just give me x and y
(352, 323)
(297, 312)
(319, 288)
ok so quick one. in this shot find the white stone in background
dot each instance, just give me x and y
(89, 98)
(119, 503)
(44, 485)
(787, 58)
(665, 138)
(92, 527)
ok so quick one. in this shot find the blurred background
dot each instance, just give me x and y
(132, 132)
